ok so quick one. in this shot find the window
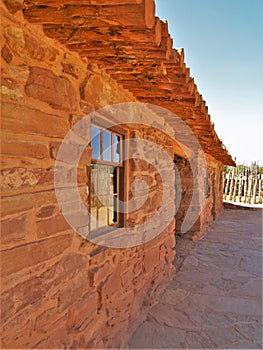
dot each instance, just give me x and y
(206, 183)
(106, 178)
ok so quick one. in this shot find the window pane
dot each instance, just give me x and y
(116, 150)
(102, 195)
(107, 146)
(95, 142)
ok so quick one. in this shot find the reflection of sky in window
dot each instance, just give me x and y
(116, 156)
(95, 142)
(106, 146)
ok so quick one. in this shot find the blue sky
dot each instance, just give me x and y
(223, 42)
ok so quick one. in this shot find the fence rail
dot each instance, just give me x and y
(243, 187)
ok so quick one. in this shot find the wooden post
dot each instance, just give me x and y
(254, 196)
(240, 186)
(250, 183)
(231, 190)
(260, 189)
(226, 184)
(235, 188)
(245, 186)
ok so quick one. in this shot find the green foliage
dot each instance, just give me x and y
(241, 168)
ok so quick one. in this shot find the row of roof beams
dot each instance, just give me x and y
(134, 46)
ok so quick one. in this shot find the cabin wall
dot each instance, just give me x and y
(59, 290)
(210, 205)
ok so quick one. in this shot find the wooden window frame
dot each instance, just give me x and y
(121, 168)
(206, 183)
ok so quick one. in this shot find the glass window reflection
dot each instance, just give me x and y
(116, 148)
(107, 146)
(95, 142)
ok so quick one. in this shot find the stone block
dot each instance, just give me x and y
(46, 211)
(64, 270)
(51, 226)
(20, 296)
(14, 5)
(26, 201)
(26, 120)
(58, 338)
(46, 86)
(101, 273)
(71, 152)
(19, 72)
(6, 54)
(25, 256)
(83, 313)
(11, 90)
(73, 291)
(19, 178)
(70, 69)
(18, 336)
(13, 230)
(100, 91)
(45, 319)
(151, 259)
(31, 149)
(28, 46)
(112, 285)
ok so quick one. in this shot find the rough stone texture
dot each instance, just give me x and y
(212, 204)
(215, 299)
(59, 290)
(45, 86)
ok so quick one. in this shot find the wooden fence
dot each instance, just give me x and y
(243, 186)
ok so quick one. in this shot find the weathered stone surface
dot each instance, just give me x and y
(46, 211)
(151, 259)
(57, 91)
(20, 296)
(14, 5)
(6, 54)
(112, 284)
(20, 118)
(18, 178)
(19, 72)
(51, 226)
(26, 201)
(70, 69)
(10, 89)
(19, 148)
(28, 47)
(72, 152)
(13, 340)
(25, 256)
(100, 274)
(73, 291)
(13, 230)
(64, 270)
(44, 320)
(100, 92)
(83, 313)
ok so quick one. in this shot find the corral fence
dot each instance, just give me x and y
(243, 186)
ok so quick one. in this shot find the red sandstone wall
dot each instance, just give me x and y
(212, 204)
(58, 290)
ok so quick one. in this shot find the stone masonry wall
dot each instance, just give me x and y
(59, 290)
(212, 204)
